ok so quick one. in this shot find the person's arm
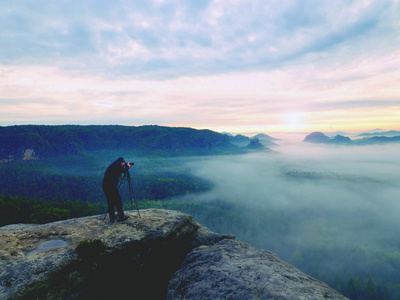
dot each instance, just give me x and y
(125, 167)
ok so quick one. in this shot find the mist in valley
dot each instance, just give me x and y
(330, 210)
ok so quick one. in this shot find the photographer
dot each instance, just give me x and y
(110, 188)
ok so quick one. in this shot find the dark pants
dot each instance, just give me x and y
(114, 201)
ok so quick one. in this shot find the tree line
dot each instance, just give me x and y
(17, 209)
(33, 180)
(48, 141)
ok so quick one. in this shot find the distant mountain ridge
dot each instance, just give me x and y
(50, 141)
(381, 133)
(245, 141)
(319, 137)
(265, 136)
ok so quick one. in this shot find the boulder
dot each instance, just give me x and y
(232, 269)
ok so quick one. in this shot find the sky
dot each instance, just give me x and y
(229, 66)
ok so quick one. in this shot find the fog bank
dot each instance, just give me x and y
(338, 200)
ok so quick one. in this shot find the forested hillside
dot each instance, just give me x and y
(72, 184)
(50, 141)
(170, 163)
(64, 165)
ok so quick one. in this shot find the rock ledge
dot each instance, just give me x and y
(88, 258)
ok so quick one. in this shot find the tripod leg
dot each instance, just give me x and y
(132, 196)
(137, 207)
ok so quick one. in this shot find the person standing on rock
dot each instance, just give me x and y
(110, 188)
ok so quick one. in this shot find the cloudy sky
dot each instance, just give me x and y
(239, 66)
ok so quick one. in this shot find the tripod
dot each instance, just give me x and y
(127, 177)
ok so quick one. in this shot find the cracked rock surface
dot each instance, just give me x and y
(232, 269)
(163, 254)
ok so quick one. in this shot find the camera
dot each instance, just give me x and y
(131, 163)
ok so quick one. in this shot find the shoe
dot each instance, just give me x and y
(123, 218)
(113, 219)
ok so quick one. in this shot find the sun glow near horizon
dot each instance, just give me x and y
(125, 71)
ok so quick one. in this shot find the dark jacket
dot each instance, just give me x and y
(113, 173)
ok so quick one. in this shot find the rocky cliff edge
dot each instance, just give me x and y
(162, 254)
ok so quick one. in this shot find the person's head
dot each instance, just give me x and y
(121, 160)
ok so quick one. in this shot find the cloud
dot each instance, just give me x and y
(248, 100)
(360, 104)
(171, 39)
(205, 64)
